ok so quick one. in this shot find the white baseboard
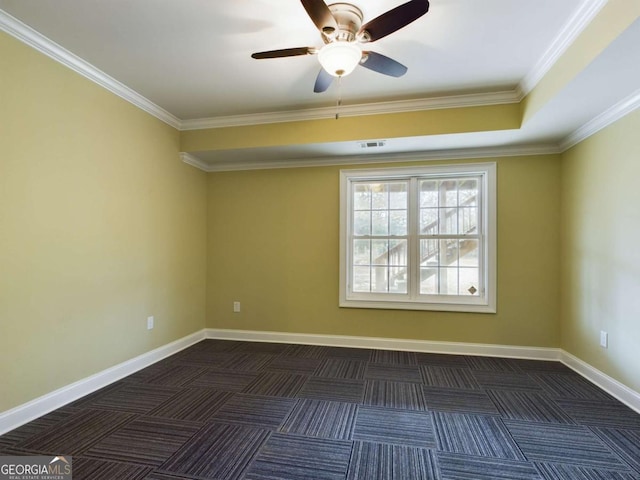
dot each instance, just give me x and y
(629, 397)
(623, 393)
(41, 406)
(29, 411)
(425, 346)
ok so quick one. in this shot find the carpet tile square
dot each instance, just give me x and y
(493, 364)
(529, 406)
(543, 366)
(553, 443)
(133, 397)
(571, 387)
(175, 375)
(393, 372)
(400, 427)
(142, 376)
(92, 469)
(218, 345)
(558, 471)
(294, 457)
(247, 362)
(262, 412)
(306, 351)
(333, 389)
(394, 356)
(77, 433)
(490, 380)
(158, 475)
(454, 466)
(442, 360)
(317, 418)
(342, 368)
(6, 442)
(13, 451)
(600, 414)
(458, 400)
(87, 400)
(203, 358)
(192, 404)
(291, 364)
(261, 347)
(145, 441)
(217, 451)
(381, 393)
(448, 377)
(36, 427)
(224, 380)
(276, 384)
(363, 354)
(484, 436)
(625, 443)
(377, 461)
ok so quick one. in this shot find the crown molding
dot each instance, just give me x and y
(569, 33)
(39, 42)
(399, 106)
(449, 154)
(606, 118)
(194, 161)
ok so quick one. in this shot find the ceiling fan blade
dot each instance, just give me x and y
(393, 20)
(285, 52)
(320, 15)
(381, 64)
(323, 81)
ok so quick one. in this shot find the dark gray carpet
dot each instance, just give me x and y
(224, 410)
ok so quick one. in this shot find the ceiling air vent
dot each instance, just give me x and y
(373, 144)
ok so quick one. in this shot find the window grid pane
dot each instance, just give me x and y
(446, 232)
(379, 245)
(449, 240)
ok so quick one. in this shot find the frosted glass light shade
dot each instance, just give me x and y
(340, 58)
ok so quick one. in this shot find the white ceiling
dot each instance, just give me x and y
(192, 59)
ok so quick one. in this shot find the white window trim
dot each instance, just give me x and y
(488, 170)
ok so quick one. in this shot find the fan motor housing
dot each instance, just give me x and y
(349, 20)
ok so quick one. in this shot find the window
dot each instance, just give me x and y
(420, 238)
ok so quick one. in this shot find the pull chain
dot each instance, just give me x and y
(339, 101)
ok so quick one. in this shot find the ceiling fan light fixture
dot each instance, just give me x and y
(340, 58)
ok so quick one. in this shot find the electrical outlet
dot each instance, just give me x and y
(604, 339)
(236, 307)
(150, 322)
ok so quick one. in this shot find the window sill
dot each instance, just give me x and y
(400, 305)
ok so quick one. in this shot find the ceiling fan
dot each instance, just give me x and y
(344, 36)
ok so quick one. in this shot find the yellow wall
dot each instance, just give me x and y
(273, 245)
(101, 225)
(601, 258)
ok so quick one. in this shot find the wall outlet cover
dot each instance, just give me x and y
(604, 339)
